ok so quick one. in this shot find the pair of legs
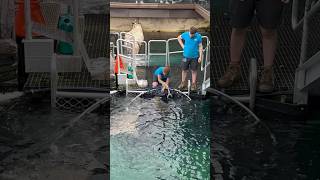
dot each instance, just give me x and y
(268, 13)
(269, 43)
(189, 63)
(193, 76)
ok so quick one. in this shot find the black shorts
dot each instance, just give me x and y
(191, 63)
(268, 13)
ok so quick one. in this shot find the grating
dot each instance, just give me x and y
(96, 42)
(286, 60)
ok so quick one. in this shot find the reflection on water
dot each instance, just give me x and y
(241, 153)
(163, 140)
(27, 150)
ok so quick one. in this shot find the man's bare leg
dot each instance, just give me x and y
(194, 77)
(183, 80)
(269, 41)
(237, 42)
(238, 39)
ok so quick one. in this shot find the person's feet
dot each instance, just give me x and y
(266, 81)
(182, 85)
(194, 87)
(231, 75)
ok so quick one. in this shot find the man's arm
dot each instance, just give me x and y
(168, 81)
(162, 82)
(180, 41)
(200, 52)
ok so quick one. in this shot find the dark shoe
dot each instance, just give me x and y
(182, 85)
(194, 87)
(231, 75)
(266, 81)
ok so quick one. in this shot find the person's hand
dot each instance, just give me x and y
(164, 87)
(199, 60)
(285, 1)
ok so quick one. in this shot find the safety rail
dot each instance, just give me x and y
(141, 59)
(121, 46)
(157, 54)
(136, 59)
(172, 52)
(310, 10)
(205, 61)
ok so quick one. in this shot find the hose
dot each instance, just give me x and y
(257, 119)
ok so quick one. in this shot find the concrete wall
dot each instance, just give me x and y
(157, 24)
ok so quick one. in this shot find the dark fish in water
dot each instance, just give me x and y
(164, 95)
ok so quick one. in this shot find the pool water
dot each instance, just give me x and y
(239, 152)
(30, 150)
(153, 139)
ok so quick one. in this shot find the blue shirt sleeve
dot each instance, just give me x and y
(199, 38)
(183, 35)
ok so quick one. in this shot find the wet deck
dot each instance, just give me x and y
(147, 73)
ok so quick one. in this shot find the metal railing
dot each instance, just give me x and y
(125, 51)
(311, 8)
(150, 54)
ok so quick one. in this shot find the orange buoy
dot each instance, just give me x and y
(36, 16)
(116, 67)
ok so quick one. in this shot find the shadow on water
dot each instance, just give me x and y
(35, 144)
(239, 153)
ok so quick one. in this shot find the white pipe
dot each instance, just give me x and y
(54, 79)
(219, 93)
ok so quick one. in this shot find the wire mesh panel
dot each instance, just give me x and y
(72, 104)
(286, 60)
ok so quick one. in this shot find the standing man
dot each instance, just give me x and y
(192, 56)
(268, 13)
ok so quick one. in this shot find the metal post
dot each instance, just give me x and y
(76, 36)
(53, 80)
(253, 82)
(305, 35)
(28, 25)
(299, 96)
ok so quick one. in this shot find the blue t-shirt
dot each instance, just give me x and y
(191, 45)
(159, 71)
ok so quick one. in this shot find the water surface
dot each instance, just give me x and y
(154, 139)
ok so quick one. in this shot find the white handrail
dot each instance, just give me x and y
(121, 44)
(157, 54)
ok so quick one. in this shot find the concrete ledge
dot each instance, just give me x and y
(159, 10)
(115, 5)
(202, 12)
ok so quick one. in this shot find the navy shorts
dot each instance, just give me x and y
(191, 63)
(268, 13)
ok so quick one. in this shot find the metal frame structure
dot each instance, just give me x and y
(308, 70)
(150, 42)
(132, 58)
(72, 91)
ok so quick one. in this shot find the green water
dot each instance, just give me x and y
(157, 140)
